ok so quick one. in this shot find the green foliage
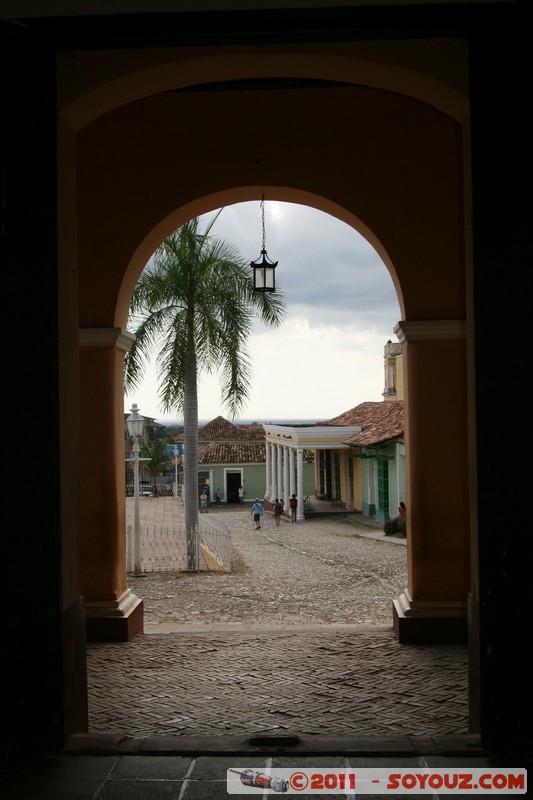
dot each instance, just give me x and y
(193, 307)
(159, 461)
(174, 430)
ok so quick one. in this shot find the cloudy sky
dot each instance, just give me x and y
(327, 356)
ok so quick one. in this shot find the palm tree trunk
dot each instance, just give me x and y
(190, 463)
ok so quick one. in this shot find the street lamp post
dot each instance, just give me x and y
(135, 426)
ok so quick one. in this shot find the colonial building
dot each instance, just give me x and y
(358, 462)
(359, 456)
(328, 488)
(234, 455)
(377, 455)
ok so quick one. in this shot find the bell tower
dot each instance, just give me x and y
(393, 361)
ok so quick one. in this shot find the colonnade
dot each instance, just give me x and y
(284, 477)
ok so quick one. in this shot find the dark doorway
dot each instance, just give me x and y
(233, 481)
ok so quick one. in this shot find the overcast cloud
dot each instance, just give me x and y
(341, 309)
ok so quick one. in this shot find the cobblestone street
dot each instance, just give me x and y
(322, 571)
(298, 639)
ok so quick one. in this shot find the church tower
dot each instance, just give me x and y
(393, 360)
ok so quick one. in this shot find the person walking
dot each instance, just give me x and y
(257, 510)
(217, 497)
(293, 504)
(203, 502)
(241, 495)
(278, 511)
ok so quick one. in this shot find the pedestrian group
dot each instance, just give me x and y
(277, 508)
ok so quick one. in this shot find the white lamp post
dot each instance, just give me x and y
(135, 426)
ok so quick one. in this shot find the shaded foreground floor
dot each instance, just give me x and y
(159, 775)
(230, 687)
(324, 681)
(176, 711)
(296, 640)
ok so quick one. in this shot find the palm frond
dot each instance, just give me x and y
(194, 306)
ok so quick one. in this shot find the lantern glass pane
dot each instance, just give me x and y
(269, 278)
(135, 425)
(259, 278)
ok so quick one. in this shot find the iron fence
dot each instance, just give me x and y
(147, 490)
(170, 548)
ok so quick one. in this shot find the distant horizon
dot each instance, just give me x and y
(247, 421)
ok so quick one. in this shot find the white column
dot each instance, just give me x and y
(267, 470)
(372, 482)
(274, 488)
(300, 479)
(280, 472)
(286, 478)
(292, 473)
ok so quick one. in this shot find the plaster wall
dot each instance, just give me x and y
(437, 468)
(148, 166)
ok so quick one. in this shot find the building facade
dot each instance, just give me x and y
(233, 456)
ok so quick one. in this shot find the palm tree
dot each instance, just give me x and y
(157, 460)
(194, 306)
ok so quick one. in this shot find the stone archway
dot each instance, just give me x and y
(393, 169)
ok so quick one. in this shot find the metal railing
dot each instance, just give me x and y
(170, 548)
(147, 489)
(314, 506)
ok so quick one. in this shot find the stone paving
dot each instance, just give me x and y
(325, 570)
(358, 683)
(296, 640)
(113, 774)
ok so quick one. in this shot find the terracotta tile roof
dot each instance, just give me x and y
(234, 453)
(252, 431)
(217, 430)
(240, 453)
(380, 422)
(221, 430)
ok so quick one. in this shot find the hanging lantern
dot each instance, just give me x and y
(264, 270)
